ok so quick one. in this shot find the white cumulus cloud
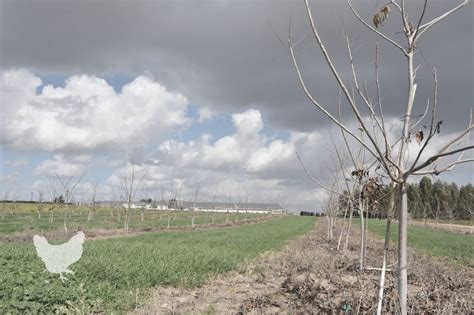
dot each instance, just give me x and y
(86, 113)
(62, 166)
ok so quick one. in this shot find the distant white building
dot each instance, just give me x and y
(204, 206)
(148, 206)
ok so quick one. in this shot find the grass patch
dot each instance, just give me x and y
(24, 221)
(438, 243)
(445, 221)
(115, 275)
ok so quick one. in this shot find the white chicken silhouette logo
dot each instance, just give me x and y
(58, 258)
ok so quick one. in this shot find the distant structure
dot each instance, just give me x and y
(208, 206)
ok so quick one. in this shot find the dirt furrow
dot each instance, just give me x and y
(310, 276)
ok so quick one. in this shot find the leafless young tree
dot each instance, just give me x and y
(52, 205)
(68, 185)
(229, 199)
(4, 204)
(39, 205)
(14, 203)
(392, 157)
(197, 189)
(168, 192)
(93, 205)
(350, 181)
(214, 198)
(116, 203)
(331, 211)
(131, 180)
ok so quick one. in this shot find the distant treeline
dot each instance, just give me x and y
(313, 214)
(20, 201)
(430, 200)
(440, 200)
(32, 202)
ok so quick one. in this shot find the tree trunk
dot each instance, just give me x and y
(366, 227)
(330, 236)
(384, 267)
(362, 235)
(340, 235)
(385, 251)
(328, 223)
(424, 215)
(342, 228)
(65, 220)
(346, 244)
(402, 247)
(90, 215)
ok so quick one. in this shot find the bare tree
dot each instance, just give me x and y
(93, 205)
(392, 158)
(116, 203)
(68, 185)
(214, 197)
(39, 205)
(53, 197)
(229, 198)
(130, 180)
(170, 192)
(353, 181)
(197, 188)
(4, 204)
(331, 211)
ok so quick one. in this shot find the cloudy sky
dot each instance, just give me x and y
(201, 91)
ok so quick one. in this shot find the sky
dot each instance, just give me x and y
(203, 94)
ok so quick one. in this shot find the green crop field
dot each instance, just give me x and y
(115, 275)
(457, 248)
(24, 217)
(445, 221)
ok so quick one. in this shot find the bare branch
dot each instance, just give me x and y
(318, 182)
(356, 82)
(419, 21)
(375, 30)
(344, 134)
(319, 106)
(433, 22)
(379, 155)
(447, 168)
(379, 100)
(437, 156)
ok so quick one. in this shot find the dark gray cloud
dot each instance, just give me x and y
(224, 54)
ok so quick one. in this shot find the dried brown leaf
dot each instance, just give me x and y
(376, 20)
(385, 10)
(380, 16)
(419, 136)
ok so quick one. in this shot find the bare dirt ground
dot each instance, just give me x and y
(310, 276)
(456, 228)
(94, 234)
